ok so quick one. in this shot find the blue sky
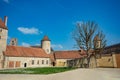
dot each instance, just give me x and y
(30, 20)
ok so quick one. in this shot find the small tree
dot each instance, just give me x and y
(84, 34)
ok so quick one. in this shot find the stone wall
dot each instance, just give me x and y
(116, 60)
(105, 61)
(21, 62)
(61, 62)
(3, 43)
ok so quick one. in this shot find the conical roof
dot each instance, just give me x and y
(45, 38)
(96, 38)
(2, 24)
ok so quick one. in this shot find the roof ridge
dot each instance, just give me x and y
(66, 50)
(24, 47)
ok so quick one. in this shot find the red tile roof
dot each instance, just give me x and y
(67, 54)
(17, 51)
(45, 38)
(2, 24)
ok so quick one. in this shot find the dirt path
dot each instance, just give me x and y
(79, 74)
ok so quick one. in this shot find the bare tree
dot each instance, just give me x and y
(84, 34)
(101, 36)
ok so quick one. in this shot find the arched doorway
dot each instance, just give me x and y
(53, 63)
(25, 64)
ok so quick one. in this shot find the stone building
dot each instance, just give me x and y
(110, 57)
(61, 58)
(14, 56)
(3, 39)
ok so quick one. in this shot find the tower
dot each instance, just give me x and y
(3, 38)
(97, 46)
(13, 42)
(45, 44)
(97, 42)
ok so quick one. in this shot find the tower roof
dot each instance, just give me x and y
(2, 24)
(45, 38)
(96, 38)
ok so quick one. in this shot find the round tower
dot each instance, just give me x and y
(97, 42)
(45, 44)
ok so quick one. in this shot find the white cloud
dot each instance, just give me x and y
(6, 1)
(25, 44)
(32, 30)
(57, 46)
(37, 44)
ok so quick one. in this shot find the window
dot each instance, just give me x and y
(32, 62)
(47, 62)
(42, 61)
(38, 62)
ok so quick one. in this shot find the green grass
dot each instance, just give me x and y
(44, 70)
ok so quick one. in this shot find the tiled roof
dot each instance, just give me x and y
(17, 51)
(45, 38)
(2, 25)
(67, 54)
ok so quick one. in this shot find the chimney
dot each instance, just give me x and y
(5, 20)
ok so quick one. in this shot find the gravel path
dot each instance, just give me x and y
(79, 74)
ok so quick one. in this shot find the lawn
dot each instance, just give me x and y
(45, 70)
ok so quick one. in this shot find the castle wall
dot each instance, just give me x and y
(61, 62)
(21, 62)
(3, 43)
(116, 58)
(105, 61)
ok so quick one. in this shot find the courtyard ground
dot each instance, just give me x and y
(78, 74)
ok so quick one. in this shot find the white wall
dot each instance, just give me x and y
(3, 43)
(27, 60)
(46, 46)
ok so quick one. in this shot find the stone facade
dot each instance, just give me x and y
(19, 57)
(61, 62)
(22, 62)
(3, 43)
(105, 61)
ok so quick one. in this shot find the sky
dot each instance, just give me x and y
(30, 20)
